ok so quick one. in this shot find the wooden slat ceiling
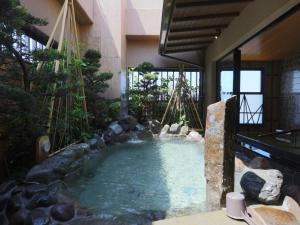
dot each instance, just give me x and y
(277, 43)
(196, 23)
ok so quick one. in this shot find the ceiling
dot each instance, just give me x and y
(276, 43)
(192, 25)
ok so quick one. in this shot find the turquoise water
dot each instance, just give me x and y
(166, 176)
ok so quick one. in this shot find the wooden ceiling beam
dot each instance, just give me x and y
(207, 16)
(198, 28)
(183, 5)
(185, 50)
(177, 44)
(210, 35)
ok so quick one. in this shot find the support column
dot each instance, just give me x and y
(237, 82)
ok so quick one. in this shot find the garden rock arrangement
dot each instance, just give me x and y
(178, 131)
(128, 128)
(66, 166)
(36, 204)
(38, 199)
(31, 203)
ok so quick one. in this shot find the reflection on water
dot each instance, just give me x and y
(166, 176)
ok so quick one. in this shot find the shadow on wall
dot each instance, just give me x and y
(105, 35)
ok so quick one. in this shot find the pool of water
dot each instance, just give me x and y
(136, 177)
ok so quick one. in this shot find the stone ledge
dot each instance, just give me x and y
(209, 218)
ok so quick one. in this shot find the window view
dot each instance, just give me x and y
(251, 97)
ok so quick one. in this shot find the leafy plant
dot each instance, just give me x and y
(144, 97)
(102, 111)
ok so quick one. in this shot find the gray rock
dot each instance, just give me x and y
(7, 186)
(262, 185)
(92, 143)
(128, 122)
(139, 127)
(13, 205)
(194, 136)
(165, 129)
(154, 126)
(41, 200)
(75, 151)
(63, 212)
(184, 130)
(19, 218)
(116, 128)
(144, 135)
(42, 173)
(123, 137)
(34, 189)
(174, 129)
(100, 142)
(38, 217)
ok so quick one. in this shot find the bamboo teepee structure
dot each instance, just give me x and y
(181, 104)
(65, 29)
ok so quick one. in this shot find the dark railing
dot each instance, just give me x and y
(171, 75)
(193, 77)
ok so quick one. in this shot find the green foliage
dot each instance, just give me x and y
(144, 97)
(14, 18)
(102, 111)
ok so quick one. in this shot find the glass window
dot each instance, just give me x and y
(251, 97)
(250, 81)
(226, 84)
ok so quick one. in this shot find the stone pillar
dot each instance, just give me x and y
(219, 152)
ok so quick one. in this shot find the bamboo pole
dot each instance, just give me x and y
(168, 106)
(78, 56)
(51, 38)
(181, 70)
(196, 111)
(60, 45)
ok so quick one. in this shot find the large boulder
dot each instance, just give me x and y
(57, 166)
(262, 185)
(62, 212)
(139, 127)
(164, 131)
(38, 217)
(184, 130)
(128, 122)
(115, 127)
(175, 128)
(194, 136)
(42, 200)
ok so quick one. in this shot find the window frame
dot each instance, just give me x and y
(262, 92)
